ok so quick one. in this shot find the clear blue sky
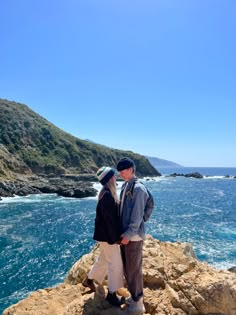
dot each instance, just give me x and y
(157, 77)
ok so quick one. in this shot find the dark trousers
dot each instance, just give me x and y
(132, 261)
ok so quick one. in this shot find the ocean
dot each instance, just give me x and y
(42, 236)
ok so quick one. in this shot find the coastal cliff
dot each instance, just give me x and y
(38, 157)
(31, 145)
(175, 283)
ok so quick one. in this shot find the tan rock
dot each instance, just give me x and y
(175, 283)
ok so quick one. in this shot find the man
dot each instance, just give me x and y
(132, 204)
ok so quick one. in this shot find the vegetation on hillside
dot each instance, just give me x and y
(31, 144)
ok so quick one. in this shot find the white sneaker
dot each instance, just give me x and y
(137, 307)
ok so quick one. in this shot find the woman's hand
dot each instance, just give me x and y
(124, 240)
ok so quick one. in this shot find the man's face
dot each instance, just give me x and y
(126, 174)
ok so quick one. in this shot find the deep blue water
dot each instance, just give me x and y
(42, 236)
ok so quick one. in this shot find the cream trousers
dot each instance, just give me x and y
(108, 263)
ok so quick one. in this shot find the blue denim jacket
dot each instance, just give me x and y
(132, 212)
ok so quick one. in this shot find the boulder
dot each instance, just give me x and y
(232, 269)
(195, 175)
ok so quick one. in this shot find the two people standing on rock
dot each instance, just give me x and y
(124, 221)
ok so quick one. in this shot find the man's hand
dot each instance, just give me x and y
(124, 240)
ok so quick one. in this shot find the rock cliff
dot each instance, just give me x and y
(175, 283)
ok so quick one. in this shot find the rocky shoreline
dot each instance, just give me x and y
(77, 186)
(195, 175)
(175, 283)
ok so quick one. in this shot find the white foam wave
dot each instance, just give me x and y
(217, 177)
(5, 228)
(215, 210)
(20, 294)
(213, 177)
(91, 198)
(25, 242)
(208, 209)
(189, 215)
(225, 265)
(154, 179)
(228, 231)
(200, 206)
(220, 193)
(159, 179)
(29, 198)
(98, 187)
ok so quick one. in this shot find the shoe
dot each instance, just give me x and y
(88, 283)
(137, 307)
(113, 299)
(129, 300)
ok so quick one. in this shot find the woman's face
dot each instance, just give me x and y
(113, 179)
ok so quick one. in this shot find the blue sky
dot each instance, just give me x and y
(156, 77)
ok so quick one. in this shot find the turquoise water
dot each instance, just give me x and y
(42, 236)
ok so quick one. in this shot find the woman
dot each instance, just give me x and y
(107, 233)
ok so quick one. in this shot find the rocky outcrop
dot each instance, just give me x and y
(20, 188)
(77, 186)
(195, 175)
(232, 269)
(175, 283)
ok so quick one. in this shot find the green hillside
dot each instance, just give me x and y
(29, 144)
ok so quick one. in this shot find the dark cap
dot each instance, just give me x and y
(125, 163)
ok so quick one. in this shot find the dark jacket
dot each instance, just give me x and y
(107, 222)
